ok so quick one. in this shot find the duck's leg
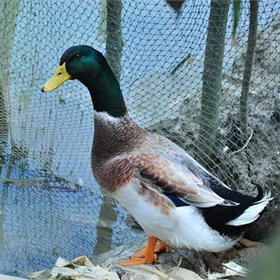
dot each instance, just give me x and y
(149, 255)
(160, 247)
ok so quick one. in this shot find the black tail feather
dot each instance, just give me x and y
(260, 193)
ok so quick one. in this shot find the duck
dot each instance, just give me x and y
(176, 201)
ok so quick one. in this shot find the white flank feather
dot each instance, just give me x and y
(252, 213)
(180, 227)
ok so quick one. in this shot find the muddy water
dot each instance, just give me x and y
(43, 217)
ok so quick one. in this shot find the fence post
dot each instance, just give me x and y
(254, 6)
(8, 16)
(108, 214)
(114, 42)
(212, 77)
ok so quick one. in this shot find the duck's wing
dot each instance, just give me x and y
(170, 170)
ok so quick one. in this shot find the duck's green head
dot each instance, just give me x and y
(90, 67)
(78, 62)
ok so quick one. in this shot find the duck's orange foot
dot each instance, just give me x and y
(144, 256)
(139, 261)
(160, 247)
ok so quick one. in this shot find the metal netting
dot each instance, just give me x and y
(50, 203)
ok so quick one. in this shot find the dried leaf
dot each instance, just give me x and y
(40, 275)
(61, 262)
(152, 273)
(84, 261)
(80, 268)
(238, 269)
(183, 274)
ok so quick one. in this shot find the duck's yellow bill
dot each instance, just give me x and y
(59, 77)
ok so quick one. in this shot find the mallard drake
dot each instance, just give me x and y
(174, 199)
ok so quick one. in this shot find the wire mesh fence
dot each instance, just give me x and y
(50, 203)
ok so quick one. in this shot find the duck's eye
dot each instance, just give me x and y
(59, 73)
(74, 56)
